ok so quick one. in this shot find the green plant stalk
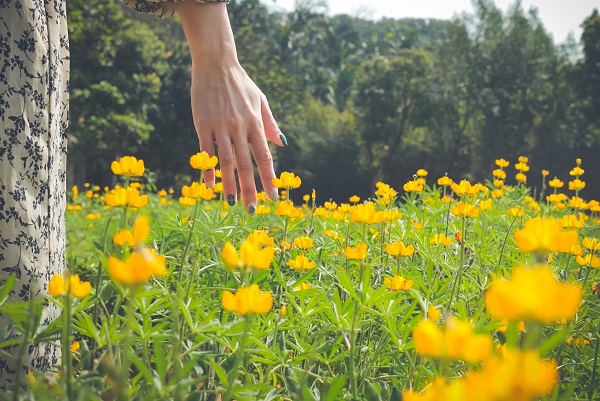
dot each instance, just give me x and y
(66, 343)
(595, 366)
(460, 267)
(239, 355)
(512, 223)
(189, 241)
(125, 345)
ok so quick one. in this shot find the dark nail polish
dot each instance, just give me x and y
(231, 199)
(283, 139)
(251, 209)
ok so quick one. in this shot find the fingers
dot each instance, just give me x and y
(272, 131)
(227, 165)
(264, 163)
(245, 170)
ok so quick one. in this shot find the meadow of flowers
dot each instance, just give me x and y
(455, 291)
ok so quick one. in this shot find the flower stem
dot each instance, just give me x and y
(239, 356)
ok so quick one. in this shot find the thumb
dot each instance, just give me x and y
(272, 131)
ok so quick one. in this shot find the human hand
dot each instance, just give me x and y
(229, 110)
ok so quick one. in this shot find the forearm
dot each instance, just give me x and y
(208, 32)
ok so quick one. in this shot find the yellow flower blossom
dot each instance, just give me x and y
(440, 239)
(262, 210)
(303, 286)
(287, 180)
(128, 166)
(261, 237)
(591, 244)
(203, 161)
(301, 262)
(397, 283)
(358, 252)
(197, 191)
(354, 199)
(126, 197)
(555, 183)
(413, 186)
(303, 242)
(590, 260)
(464, 188)
(502, 163)
(248, 301)
(251, 256)
(59, 286)
(533, 294)
(457, 341)
(138, 268)
(445, 181)
(499, 174)
(75, 346)
(422, 172)
(545, 235)
(462, 209)
(398, 249)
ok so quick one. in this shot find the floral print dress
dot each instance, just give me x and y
(34, 76)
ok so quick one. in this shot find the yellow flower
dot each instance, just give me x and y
(75, 346)
(218, 188)
(591, 244)
(303, 286)
(590, 260)
(126, 197)
(301, 263)
(522, 167)
(203, 161)
(486, 204)
(523, 159)
(422, 172)
(287, 209)
(303, 242)
(262, 210)
(502, 163)
(128, 166)
(58, 286)
(499, 174)
(445, 181)
(520, 177)
(397, 283)
(197, 191)
(283, 311)
(516, 211)
(397, 249)
(464, 188)
(497, 193)
(287, 180)
(261, 237)
(465, 210)
(457, 341)
(433, 313)
(141, 232)
(440, 239)
(354, 199)
(364, 213)
(330, 205)
(533, 294)
(187, 201)
(555, 183)
(331, 233)
(93, 216)
(545, 235)
(384, 190)
(248, 301)
(576, 185)
(573, 221)
(413, 186)
(138, 268)
(576, 172)
(358, 252)
(251, 256)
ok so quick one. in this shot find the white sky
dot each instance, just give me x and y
(558, 16)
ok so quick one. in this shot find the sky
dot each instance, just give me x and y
(560, 17)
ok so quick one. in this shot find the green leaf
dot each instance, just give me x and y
(7, 287)
(334, 389)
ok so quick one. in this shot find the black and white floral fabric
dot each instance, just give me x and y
(34, 76)
(34, 73)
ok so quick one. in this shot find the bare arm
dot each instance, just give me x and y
(229, 110)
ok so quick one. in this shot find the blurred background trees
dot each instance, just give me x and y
(360, 101)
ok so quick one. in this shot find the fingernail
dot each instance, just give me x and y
(251, 209)
(210, 184)
(274, 194)
(231, 199)
(283, 139)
